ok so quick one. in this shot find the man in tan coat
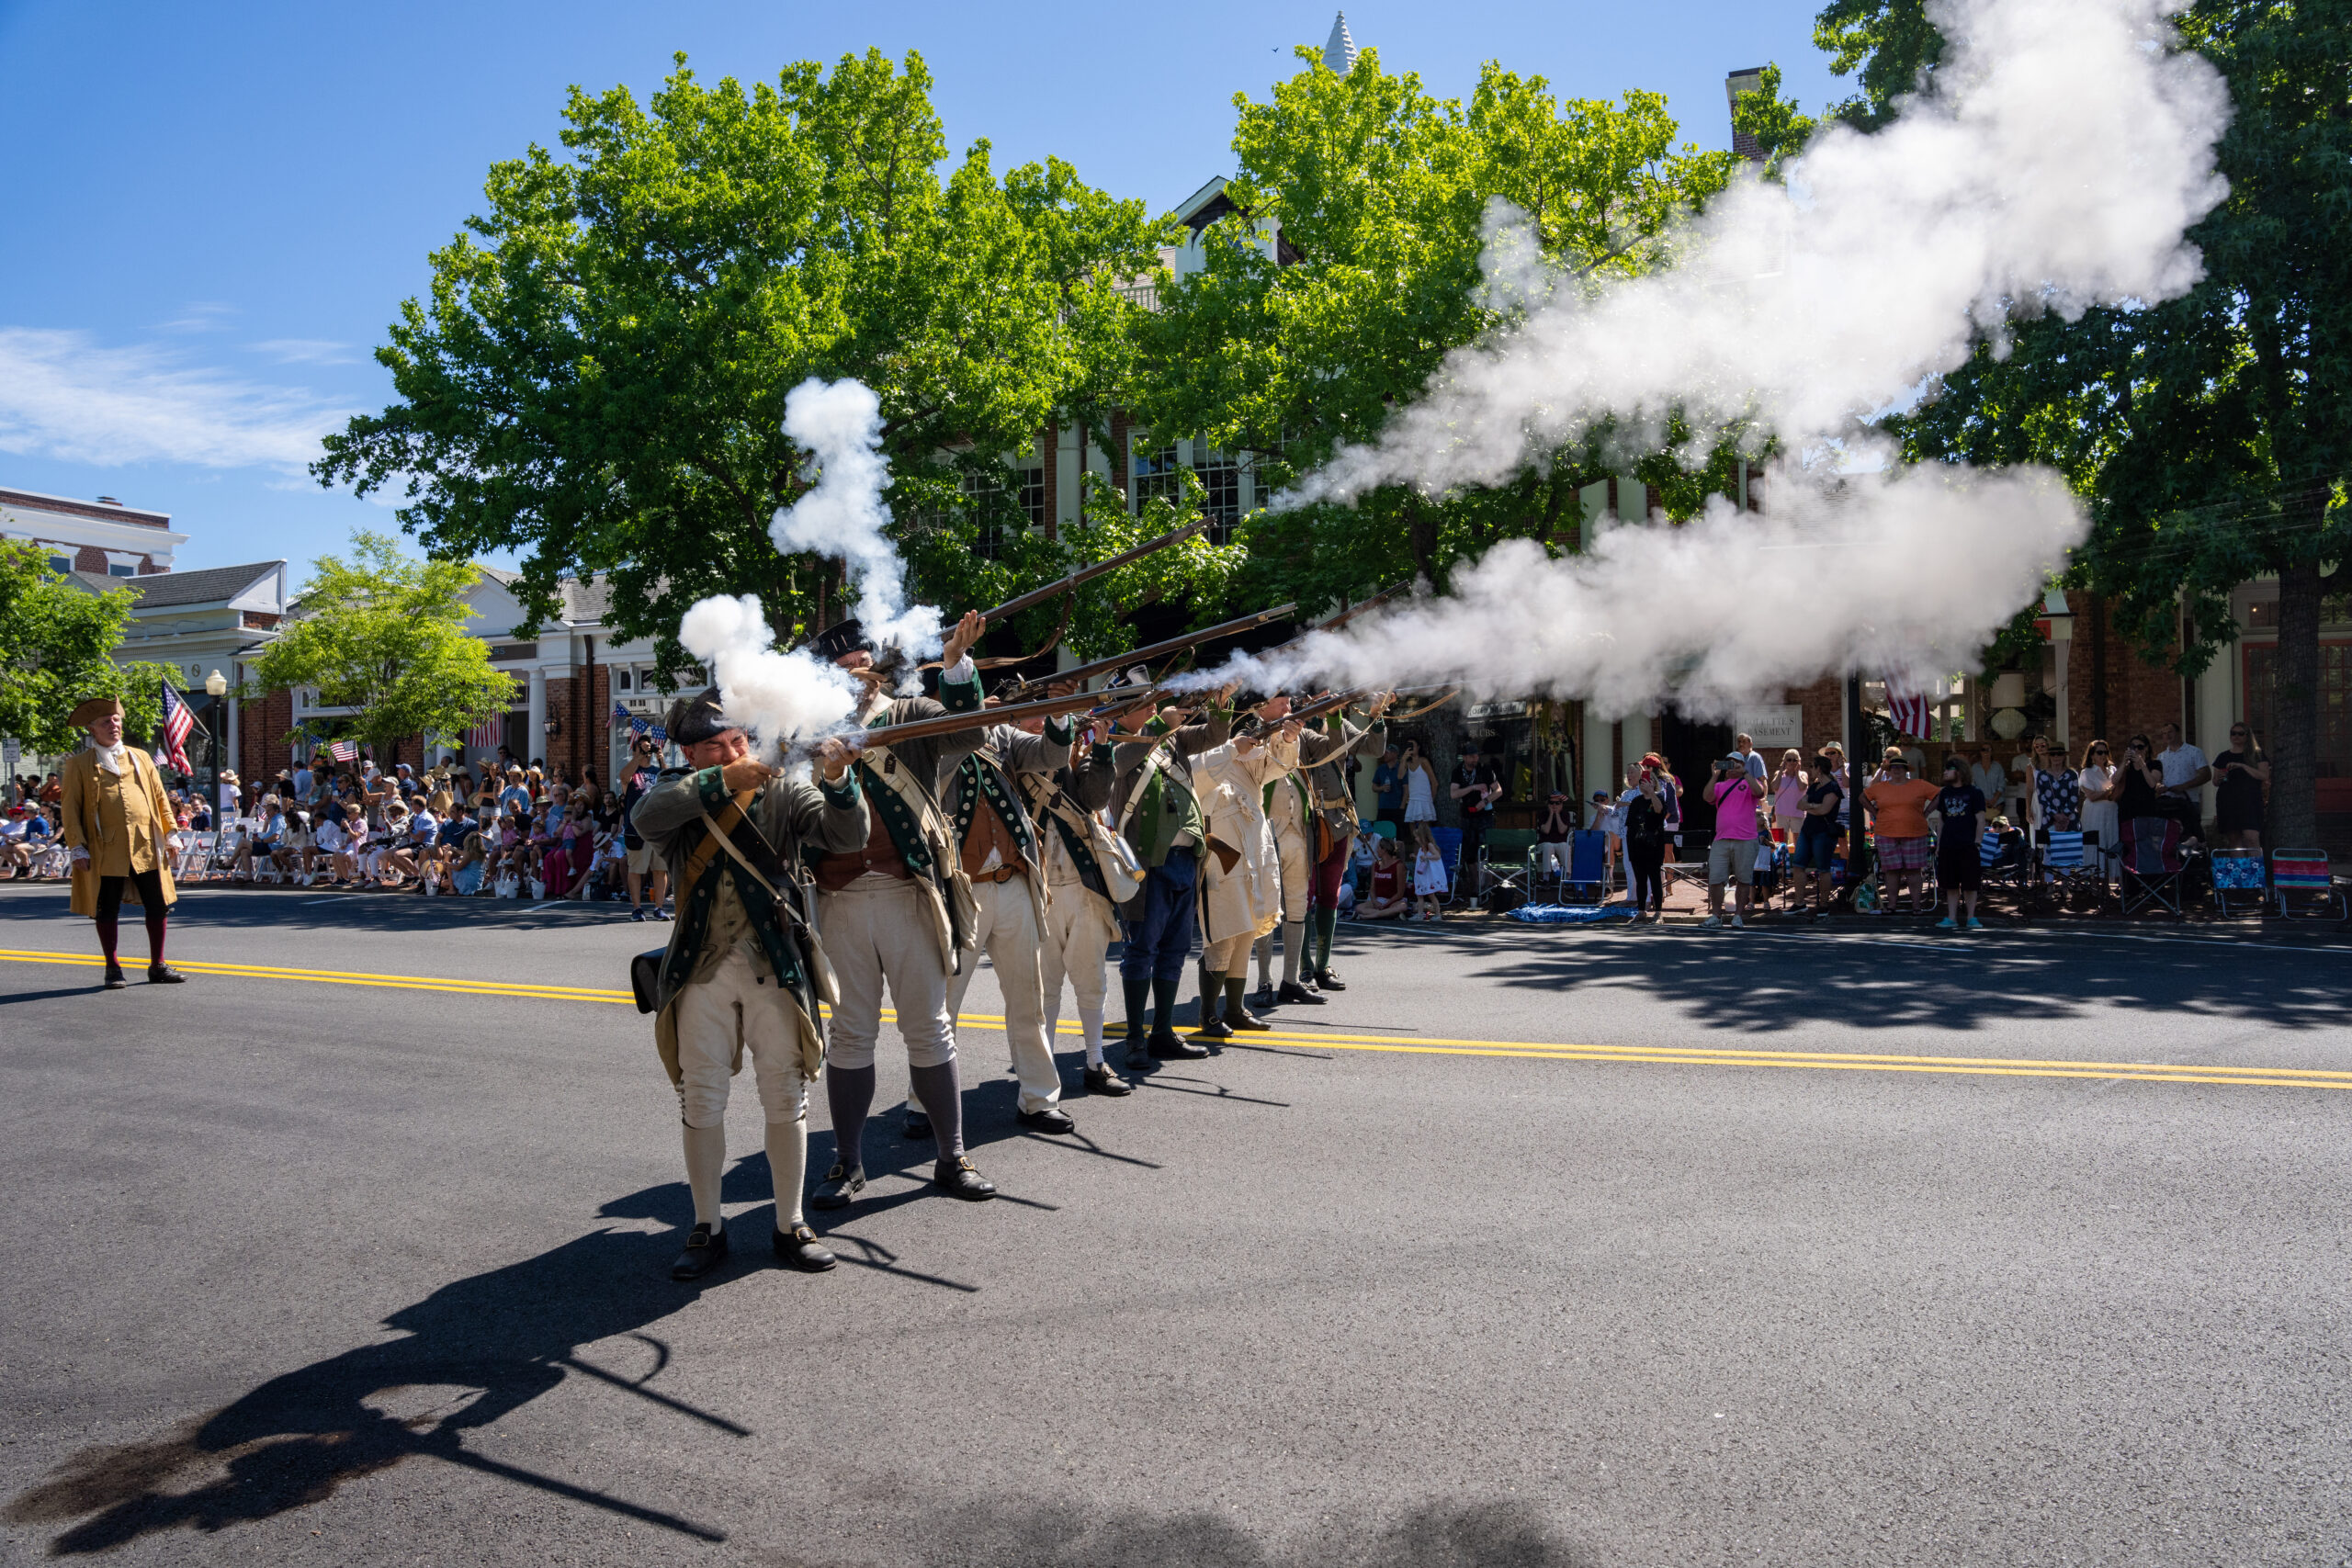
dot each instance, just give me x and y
(117, 829)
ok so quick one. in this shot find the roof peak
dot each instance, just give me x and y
(1339, 51)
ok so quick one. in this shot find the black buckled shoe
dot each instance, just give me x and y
(1053, 1119)
(1241, 1021)
(798, 1248)
(1326, 980)
(115, 980)
(959, 1178)
(1264, 997)
(160, 975)
(704, 1250)
(838, 1189)
(1292, 992)
(1215, 1028)
(1138, 1053)
(917, 1128)
(1169, 1048)
(1102, 1081)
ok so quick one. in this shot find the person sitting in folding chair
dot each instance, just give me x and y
(1552, 832)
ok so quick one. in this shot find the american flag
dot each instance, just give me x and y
(344, 751)
(177, 724)
(485, 735)
(1914, 712)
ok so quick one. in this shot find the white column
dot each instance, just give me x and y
(537, 743)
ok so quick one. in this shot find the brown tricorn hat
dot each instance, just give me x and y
(93, 709)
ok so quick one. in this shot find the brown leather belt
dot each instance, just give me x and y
(1001, 874)
(837, 872)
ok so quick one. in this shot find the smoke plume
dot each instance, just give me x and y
(777, 697)
(781, 695)
(2062, 152)
(841, 425)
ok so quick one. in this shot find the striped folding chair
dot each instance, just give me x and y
(2301, 883)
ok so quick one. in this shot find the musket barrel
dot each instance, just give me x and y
(1012, 713)
(1142, 655)
(1089, 572)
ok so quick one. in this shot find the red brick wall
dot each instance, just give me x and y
(261, 737)
(1824, 702)
(2140, 698)
(582, 709)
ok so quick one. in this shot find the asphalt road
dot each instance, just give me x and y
(1858, 1247)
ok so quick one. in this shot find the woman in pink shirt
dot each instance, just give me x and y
(1739, 810)
(1788, 795)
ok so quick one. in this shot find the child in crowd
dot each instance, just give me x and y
(1429, 883)
(1385, 898)
(1364, 856)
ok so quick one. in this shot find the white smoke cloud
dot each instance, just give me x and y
(2056, 165)
(781, 696)
(778, 696)
(1726, 605)
(841, 424)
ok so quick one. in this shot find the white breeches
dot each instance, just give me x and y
(1007, 933)
(737, 1007)
(878, 931)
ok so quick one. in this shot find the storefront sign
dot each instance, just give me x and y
(1772, 729)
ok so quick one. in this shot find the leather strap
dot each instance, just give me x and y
(724, 824)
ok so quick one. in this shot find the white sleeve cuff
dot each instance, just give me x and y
(963, 671)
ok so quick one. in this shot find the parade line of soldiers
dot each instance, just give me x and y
(895, 865)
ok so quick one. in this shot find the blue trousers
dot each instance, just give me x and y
(1157, 945)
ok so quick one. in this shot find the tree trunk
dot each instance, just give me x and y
(1421, 533)
(2293, 740)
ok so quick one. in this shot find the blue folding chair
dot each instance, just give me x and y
(2238, 883)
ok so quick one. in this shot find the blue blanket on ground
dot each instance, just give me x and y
(1571, 914)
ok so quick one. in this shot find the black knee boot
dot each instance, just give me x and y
(1165, 1043)
(1212, 1027)
(1138, 994)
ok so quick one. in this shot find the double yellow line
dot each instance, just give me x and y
(1641, 1055)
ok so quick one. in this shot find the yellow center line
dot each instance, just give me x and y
(1651, 1055)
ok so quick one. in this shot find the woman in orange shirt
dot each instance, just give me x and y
(1900, 804)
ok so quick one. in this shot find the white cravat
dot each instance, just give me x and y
(114, 759)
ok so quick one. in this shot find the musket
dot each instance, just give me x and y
(1010, 713)
(1143, 655)
(1090, 572)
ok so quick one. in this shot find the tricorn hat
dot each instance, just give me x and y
(92, 709)
(840, 637)
(694, 721)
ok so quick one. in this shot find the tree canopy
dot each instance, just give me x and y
(597, 380)
(1383, 193)
(384, 633)
(57, 645)
(2210, 435)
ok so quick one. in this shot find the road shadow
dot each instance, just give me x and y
(1909, 977)
(469, 1354)
(1434, 1535)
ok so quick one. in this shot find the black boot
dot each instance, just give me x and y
(1212, 999)
(1237, 1018)
(1164, 1042)
(1138, 994)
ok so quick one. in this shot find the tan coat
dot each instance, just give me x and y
(126, 823)
(1245, 900)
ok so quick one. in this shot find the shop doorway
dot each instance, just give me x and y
(1692, 750)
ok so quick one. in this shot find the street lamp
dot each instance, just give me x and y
(216, 686)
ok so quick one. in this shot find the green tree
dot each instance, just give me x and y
(57, 646)
(1381, 194)
(597, 380)
(385, 632)
(2211, 435)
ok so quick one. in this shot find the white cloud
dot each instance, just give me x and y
(306, 350)
(64, 396)
(201, 316)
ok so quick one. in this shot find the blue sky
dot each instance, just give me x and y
(211, 212)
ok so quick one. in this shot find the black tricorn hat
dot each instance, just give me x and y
(842, 636)
(694, 721)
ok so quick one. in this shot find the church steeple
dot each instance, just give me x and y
(1340, 53)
